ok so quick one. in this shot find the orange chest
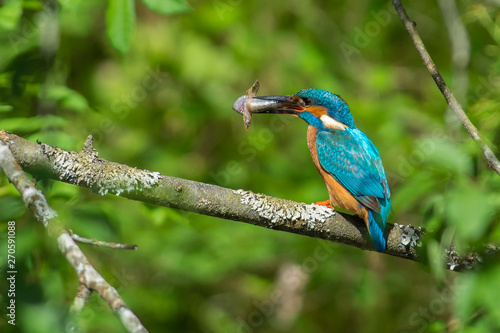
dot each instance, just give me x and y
(339, 196)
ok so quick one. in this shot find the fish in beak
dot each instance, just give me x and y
(249, 104)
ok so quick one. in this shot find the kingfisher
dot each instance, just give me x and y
(344, 156)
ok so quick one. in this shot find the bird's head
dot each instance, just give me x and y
(319, 108)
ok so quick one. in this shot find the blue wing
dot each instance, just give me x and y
(353, 160)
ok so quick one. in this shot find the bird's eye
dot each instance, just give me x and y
(307, 101)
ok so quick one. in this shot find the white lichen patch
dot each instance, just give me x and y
(35, 198)
(4, 151)
(29, 194)
(410, 237)
(285, 212)
(455, 261)
(85, 168)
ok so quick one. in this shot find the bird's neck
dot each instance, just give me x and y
(311, 144)
(312, 120)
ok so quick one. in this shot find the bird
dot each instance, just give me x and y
(344, 156)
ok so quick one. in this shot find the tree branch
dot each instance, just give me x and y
(450, 98)
(96, 242)
(81, 299)
(86, 169)
(87, 274)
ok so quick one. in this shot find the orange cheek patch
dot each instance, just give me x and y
(317, 111)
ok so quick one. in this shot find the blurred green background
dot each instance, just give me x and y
(154, 83)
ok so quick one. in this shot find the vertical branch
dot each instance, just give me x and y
(450, 99)
(87, 274)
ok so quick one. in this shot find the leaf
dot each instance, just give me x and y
(413, 191)
(468, 208)
(32, 124)
(168, 6)
(465, 290)
(446, 156)
(68, 98)
(10, 13)
(54, 138)
(436, 260)
(6, 108)
(11, 208)
(120, 18)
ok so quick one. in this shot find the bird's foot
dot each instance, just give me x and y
(324, 203)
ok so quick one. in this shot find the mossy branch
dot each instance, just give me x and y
(86, 169)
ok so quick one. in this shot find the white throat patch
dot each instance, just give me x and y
(329, 122)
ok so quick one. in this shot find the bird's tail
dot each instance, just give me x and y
(376, 224)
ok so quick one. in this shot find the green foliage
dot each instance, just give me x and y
(67, 98)
(10, 13)
(470, 224)
(168, 6)
(120, 19)
(163, 102)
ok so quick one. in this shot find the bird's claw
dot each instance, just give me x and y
(324, 203)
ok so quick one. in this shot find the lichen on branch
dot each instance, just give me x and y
(86, 169)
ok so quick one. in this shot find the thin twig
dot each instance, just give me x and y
(96, 242)
(81, 298)
(450, 99)
(87, 274)
(85, 169)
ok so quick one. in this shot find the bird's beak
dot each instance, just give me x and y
(270, 104)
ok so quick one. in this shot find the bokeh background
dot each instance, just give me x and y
(157, 95)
